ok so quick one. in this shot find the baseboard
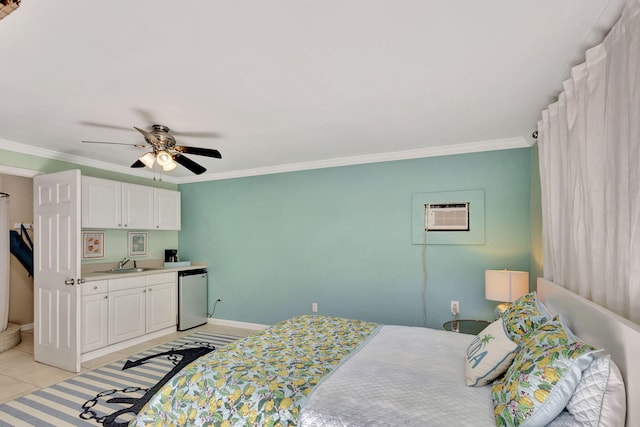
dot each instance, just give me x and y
(236, 324)
(26, 327)
(84, 357)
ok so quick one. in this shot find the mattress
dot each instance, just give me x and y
(405, 376)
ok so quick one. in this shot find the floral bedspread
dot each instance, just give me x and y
(261, 380)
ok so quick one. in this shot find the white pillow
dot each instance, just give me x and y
(599, 398)
(565, 419)
(614, 404)
(489, 355)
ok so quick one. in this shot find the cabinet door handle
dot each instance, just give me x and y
(106, 297)
(95, 288)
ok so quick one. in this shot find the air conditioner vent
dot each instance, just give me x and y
(447, 216)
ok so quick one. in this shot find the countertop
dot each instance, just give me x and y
(93, 272)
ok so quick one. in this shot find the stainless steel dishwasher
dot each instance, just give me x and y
(192, 298)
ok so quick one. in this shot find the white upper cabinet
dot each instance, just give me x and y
(166, 209)
(101, 203)
(137, 206)
(114, 204)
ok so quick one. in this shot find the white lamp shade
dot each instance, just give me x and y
(169, 166)
(505, 285)
(148, 159)
(163, 158)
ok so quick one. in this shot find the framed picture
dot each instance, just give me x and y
(92, 244)
(137, 243)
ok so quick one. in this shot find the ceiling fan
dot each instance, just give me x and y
(165, 152)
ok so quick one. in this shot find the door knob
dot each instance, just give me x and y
(69, 282)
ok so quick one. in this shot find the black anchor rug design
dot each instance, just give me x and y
(109, 396)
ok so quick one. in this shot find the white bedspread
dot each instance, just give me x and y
(404, 376)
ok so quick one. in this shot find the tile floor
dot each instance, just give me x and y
(20, 374)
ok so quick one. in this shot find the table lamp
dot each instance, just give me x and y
(505, 286)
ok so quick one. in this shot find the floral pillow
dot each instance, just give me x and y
(523, 317)
(489, 355)
(542, 378)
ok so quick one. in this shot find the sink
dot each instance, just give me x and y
(128, 270)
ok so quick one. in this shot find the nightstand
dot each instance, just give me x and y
(466, 326)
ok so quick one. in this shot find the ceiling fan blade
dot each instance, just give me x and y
(151, 119)
(152, 139)
(196, 134)
(145, 115)
(116, 143)
(138, 164)
(189, 164)
(198, 151)
(102, 125)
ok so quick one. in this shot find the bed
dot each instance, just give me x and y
(325, 371)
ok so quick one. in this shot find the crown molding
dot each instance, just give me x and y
(10, 170)
(72, 158)
(446, 150)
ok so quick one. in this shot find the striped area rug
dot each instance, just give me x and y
(109, 396)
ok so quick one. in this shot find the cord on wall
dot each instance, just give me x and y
(214, 306)
(424, 278)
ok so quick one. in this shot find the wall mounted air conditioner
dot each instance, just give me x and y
(446, 217)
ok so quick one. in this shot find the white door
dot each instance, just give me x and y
(56, 213)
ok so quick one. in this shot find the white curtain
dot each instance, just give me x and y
(4, 261)
(589, 144)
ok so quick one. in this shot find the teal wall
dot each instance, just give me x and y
(341, 237)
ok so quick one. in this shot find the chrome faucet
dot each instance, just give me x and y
(123, 262)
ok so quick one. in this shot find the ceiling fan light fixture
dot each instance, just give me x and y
(148, 159)
(163, 158)
(169, 166)
(163, 148)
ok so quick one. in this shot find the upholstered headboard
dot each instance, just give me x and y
(603, 329)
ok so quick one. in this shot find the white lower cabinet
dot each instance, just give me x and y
(126, 314)
(161, 302)
(117, 310)
(94, 312)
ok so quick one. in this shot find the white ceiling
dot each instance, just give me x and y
(289, 84)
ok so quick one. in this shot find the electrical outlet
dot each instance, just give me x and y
(314, 307)
(455, 308)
